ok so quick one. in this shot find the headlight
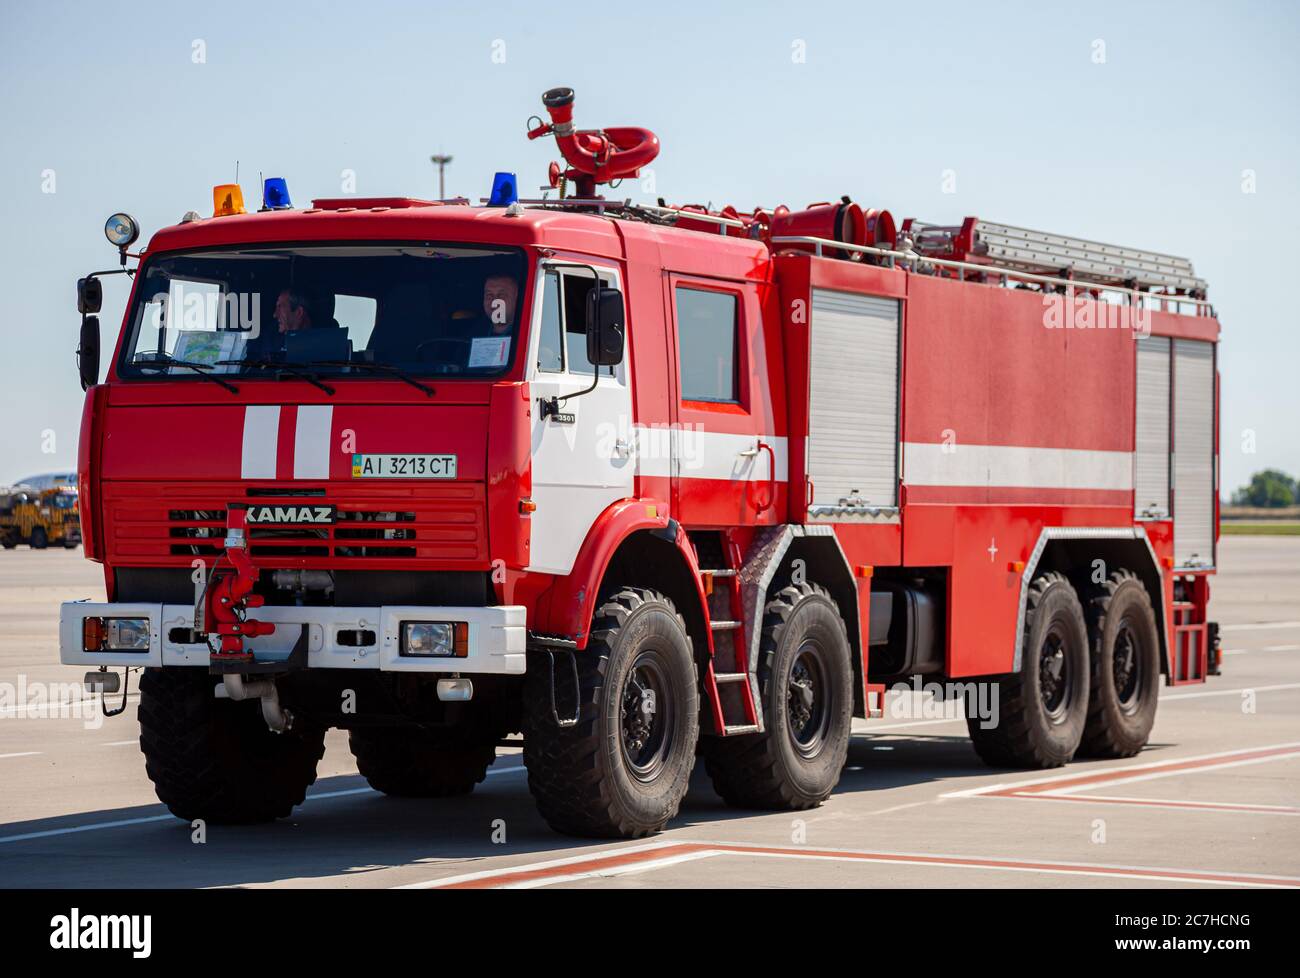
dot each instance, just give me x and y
(435, 638)
(127, 634)
(115, 634)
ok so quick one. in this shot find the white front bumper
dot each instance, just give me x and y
(496, 637)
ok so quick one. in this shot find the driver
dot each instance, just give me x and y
(293, 310)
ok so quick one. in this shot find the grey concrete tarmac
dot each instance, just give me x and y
(1214, 800)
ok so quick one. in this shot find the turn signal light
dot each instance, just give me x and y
(92, 634)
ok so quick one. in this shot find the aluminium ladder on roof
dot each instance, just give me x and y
(1044, 253)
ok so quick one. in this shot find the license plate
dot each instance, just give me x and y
(403, 466)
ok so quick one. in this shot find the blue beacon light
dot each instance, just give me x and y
(275, 194)
(505, 190)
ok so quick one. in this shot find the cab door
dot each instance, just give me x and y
(582, 452)
(729, 461)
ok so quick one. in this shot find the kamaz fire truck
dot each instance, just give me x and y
(637, 481)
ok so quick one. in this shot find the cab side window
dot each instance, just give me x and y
(562, 339)
(707, 338)
(550, 347)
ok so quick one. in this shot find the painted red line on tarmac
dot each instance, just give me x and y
(624, 860)
(1204, 806)
(595, 864)
(1121, 774)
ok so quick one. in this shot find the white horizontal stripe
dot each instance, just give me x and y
(311, 442)
(709, 454)
(986, 466)
(261, 438)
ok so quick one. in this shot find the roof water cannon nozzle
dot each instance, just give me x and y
(594, 156)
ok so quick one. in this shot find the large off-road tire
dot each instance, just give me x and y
(622, 770)
(806, 684)
(1125, 668)
(413, 763)
(39, 540)
(215, 759)
(1042, 708)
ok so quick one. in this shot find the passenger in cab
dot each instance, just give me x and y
(490, 335)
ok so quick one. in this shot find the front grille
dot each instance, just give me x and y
(443, 523)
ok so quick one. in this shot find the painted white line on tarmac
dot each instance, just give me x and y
(1227, 692)
(120, 743)
(37, 711)
(872, 727)
(1280, 648)
(1252, 626)
(25, 753)
(90, 827)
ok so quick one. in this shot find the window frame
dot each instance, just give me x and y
(740, 355)
(562, 266)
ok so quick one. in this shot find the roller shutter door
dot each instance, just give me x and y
(853, 402)
(1193, 453)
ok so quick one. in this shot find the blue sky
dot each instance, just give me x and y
(1146, 149)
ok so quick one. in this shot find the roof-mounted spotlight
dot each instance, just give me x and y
(121, 231)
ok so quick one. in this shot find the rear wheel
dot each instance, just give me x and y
(1125, 669)
(623, 769)
(39, 539)
(807, 702)
(216, 759)
(1041, 709)
(413, 763)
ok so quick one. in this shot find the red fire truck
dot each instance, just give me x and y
(639, 482)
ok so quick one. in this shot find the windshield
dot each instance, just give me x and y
(367, 310)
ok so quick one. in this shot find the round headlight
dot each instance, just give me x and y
(121, 230)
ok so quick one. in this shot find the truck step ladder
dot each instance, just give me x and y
(1189, 651)
(727, 681)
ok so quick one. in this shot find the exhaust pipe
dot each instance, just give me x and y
(276, 717)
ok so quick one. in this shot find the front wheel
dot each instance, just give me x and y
(807, 702)
(621, 771)
(216, 759)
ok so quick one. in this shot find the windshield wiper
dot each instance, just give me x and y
(380, 368)
(282, 368)
(202, 369)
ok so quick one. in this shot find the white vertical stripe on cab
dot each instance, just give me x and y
(311, 443)
(261, 437)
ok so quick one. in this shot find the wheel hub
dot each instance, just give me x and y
(1054, 680)
(1125, 666)
(646, 717)
(807, 709)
